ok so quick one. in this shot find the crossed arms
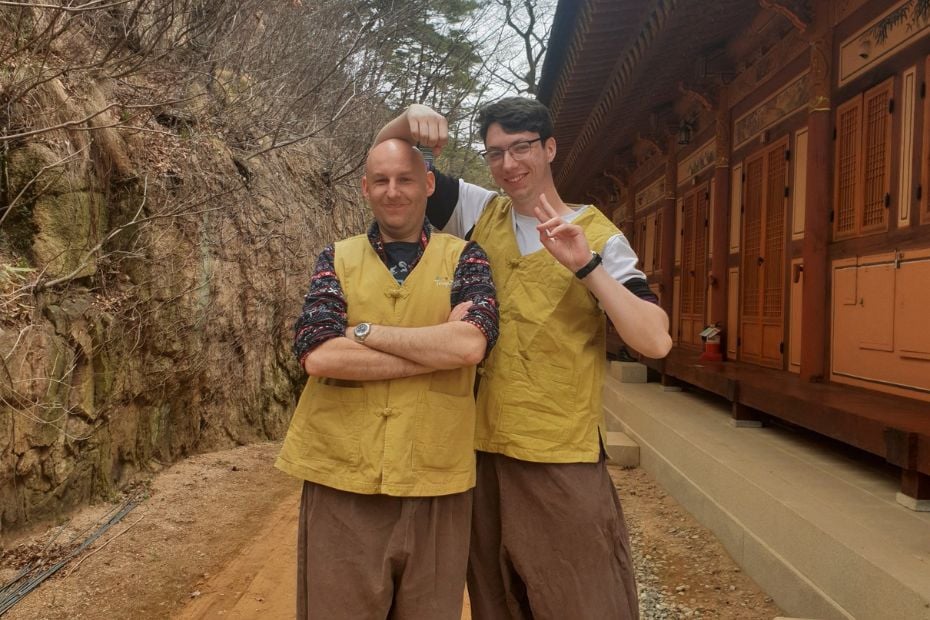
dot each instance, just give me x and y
(325, 346)
(393, 352)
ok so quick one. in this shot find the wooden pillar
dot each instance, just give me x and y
(721, 209)
(907, 450)
(819, 198)
(669, 229)
(915, 485)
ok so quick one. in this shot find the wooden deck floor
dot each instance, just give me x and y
(892, 427)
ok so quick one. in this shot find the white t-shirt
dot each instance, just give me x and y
(619, 258)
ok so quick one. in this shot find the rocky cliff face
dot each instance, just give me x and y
(149, 279)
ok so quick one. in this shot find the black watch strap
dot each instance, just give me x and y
(596, 260)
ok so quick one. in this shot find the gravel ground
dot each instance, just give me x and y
(682, 570)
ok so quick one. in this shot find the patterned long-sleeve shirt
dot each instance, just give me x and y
(324, 311)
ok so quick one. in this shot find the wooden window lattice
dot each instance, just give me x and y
(925, 165)
(752, 237)
(657, 252)
(847, 157)
(700, 250)
(687, 254)
(862, 188)
(773, 294)
(876, 144)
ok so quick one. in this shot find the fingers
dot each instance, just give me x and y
(547, 209)
(551, 226)
(442, 138)
(428, 127)
(459, 311)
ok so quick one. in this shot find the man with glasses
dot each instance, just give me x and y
(548, 536)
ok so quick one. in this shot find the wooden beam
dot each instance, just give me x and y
(701, 98)
(790, 11)
(648, 141)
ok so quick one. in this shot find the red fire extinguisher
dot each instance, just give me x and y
(711, 338)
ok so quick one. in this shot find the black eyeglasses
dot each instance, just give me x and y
(517, 150)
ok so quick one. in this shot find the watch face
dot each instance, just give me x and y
(361, 331)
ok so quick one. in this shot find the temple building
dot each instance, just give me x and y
(770, 162)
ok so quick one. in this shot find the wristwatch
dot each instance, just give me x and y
(361, 331)
(590, 266)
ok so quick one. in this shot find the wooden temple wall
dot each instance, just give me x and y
(809, 176)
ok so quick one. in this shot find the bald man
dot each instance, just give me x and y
(391, 331)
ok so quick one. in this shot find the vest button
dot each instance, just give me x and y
(480, 371)
(387, 412)
(513, 262)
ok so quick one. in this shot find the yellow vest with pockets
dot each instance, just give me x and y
(539, 397)
(402, 437)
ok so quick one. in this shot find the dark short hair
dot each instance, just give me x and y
(515, 114)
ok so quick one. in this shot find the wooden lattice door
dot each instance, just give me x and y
(693, 265)
(763, 257)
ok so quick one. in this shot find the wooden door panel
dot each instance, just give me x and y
(751, 340)
(763, 256)
(876, 285)
(649, 257)
(844, 358)
(772, 343)
(794, 322)
(844, 286)
(912, 307)
(693, 265)
(687, 331)
(881, 345)
(732, 312)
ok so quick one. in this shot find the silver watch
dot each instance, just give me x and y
(361, 331)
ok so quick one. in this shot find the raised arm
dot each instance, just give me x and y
(417, 124)
(640, 323)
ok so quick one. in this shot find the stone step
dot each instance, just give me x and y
(622, 450)
(628, 372)
(820, 532)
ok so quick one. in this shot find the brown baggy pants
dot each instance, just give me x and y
(548, 542)
(376, 556)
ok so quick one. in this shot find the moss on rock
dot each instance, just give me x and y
(67, 227)
(36, 170)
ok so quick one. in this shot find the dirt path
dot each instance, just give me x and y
(199, 516)
(260, 581)
(216, 539)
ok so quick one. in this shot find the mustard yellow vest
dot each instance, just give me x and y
(403, 437)
(539, 398)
